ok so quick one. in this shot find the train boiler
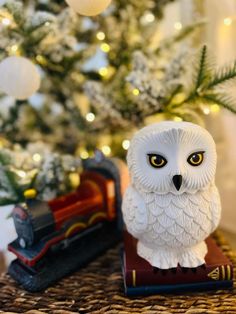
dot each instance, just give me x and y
(67, 232)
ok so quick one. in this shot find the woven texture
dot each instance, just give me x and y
(98, 288)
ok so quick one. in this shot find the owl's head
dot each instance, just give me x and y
(174, 157)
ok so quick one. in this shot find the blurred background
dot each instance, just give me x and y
(103, 77)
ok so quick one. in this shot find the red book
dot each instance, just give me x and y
(141, 278)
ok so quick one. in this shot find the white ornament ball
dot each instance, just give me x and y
(89, 7)
(19, 77)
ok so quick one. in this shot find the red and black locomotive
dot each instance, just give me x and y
(44, 227)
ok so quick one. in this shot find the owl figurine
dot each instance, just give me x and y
(172, 204)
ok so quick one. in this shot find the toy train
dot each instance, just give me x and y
(46, 228)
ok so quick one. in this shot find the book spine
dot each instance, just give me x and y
(191, 287)
(179, 276)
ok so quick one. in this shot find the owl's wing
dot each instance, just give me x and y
(215, 207)
(134, 212)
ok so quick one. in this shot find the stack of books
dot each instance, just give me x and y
(140, 278)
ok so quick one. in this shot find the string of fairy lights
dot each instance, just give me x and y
(104, 71)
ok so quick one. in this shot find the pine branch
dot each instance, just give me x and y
(222, 76)
(226, 102)
(35, 40)
(12, 189)
(201, 71)
(15, 8)
(186, 32)
(32, 28)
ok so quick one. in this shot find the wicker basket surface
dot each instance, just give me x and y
(98, 288)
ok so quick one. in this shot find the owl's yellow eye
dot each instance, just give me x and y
(196, 159)
(157, 161)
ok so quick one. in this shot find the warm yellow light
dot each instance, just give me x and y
(149, 17)
(90, 117)
(180, 97)
(178, 119)
(106, 150)
(30, 193)
(126, 144)
(100, 36)
(21, 173)
(37, 157)
(6, 21)
(227, 21)
(206, 110)
(14, 48)
(215, 108)
(84, 154)
(41, 60)
(103, 71)
(136, 92)
(178, 26)
(105, 47)
(74, 179)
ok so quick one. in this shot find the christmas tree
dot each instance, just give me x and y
(102, 77)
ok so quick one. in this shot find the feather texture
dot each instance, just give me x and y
(171, 225)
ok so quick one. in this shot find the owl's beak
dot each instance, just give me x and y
(177, 180)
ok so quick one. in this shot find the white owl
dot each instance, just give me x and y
(172, 204)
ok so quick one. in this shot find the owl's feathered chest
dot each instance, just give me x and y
(178, 220)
